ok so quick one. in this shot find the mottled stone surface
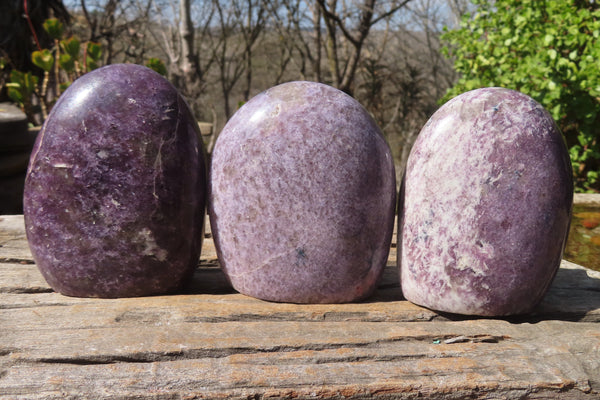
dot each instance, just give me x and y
(486, 205)
(115, 192)
(302, 196)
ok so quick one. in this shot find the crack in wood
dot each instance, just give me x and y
(331, 316)
(25, 306)
(6, 351)
(193, 354)
(24, 290)
(9, 260)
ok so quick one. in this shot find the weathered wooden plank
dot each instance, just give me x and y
(473, 358)
(586, 199)
(13, 241)
(574, 296)
(211, 342)
(91, 313)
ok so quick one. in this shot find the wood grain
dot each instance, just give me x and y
(211, 342)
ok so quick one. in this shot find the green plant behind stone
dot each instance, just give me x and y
(67, 60)
(548, 50)
(21, 87)
(157, 65)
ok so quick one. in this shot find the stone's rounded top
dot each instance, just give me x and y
(290, 91)
(128, 86)
(306, 105)
(494, 109)
(493, 92)
(491, 125)
(120, 75)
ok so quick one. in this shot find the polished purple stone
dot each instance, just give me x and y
(486, 206)
(116, 188)
(302, 196)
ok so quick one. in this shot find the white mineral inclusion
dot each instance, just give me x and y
(150, 247)
(448, 186)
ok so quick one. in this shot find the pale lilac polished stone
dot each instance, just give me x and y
(115, 192)
(302, 196)
(486, 206)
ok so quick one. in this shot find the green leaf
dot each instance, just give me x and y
(556, 112)
(21, 85)
(14, 92)
(54, 28)
(66, 62)
(30, 82)
(43, 59)
(71, 46)
(157, 65)
(64, 86)
(92, 65)
(573, 55)
(94, 51)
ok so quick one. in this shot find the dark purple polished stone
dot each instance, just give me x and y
(116, 188)
(302, 196)
(486, 206)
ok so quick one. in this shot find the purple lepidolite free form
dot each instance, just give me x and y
(115, 193)
(486, 206)
(302, 195)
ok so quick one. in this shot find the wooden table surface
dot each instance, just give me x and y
(211, 342)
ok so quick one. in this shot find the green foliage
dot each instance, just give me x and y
(94, 55)
(22, 85)
(71, 47)
(157, 65)
(65, 61)
(43, 59)
(54, 28)
(548, 50)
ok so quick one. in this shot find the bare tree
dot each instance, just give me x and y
(255, 19)
(120, 26)
(188, 60)
(412, 77)
(299, 26)
(182, 33)
(354, 21)
(239, 28)
(386, 53)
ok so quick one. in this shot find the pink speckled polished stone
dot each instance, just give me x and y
(302, 196)
(115, 193)
(486, 206)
